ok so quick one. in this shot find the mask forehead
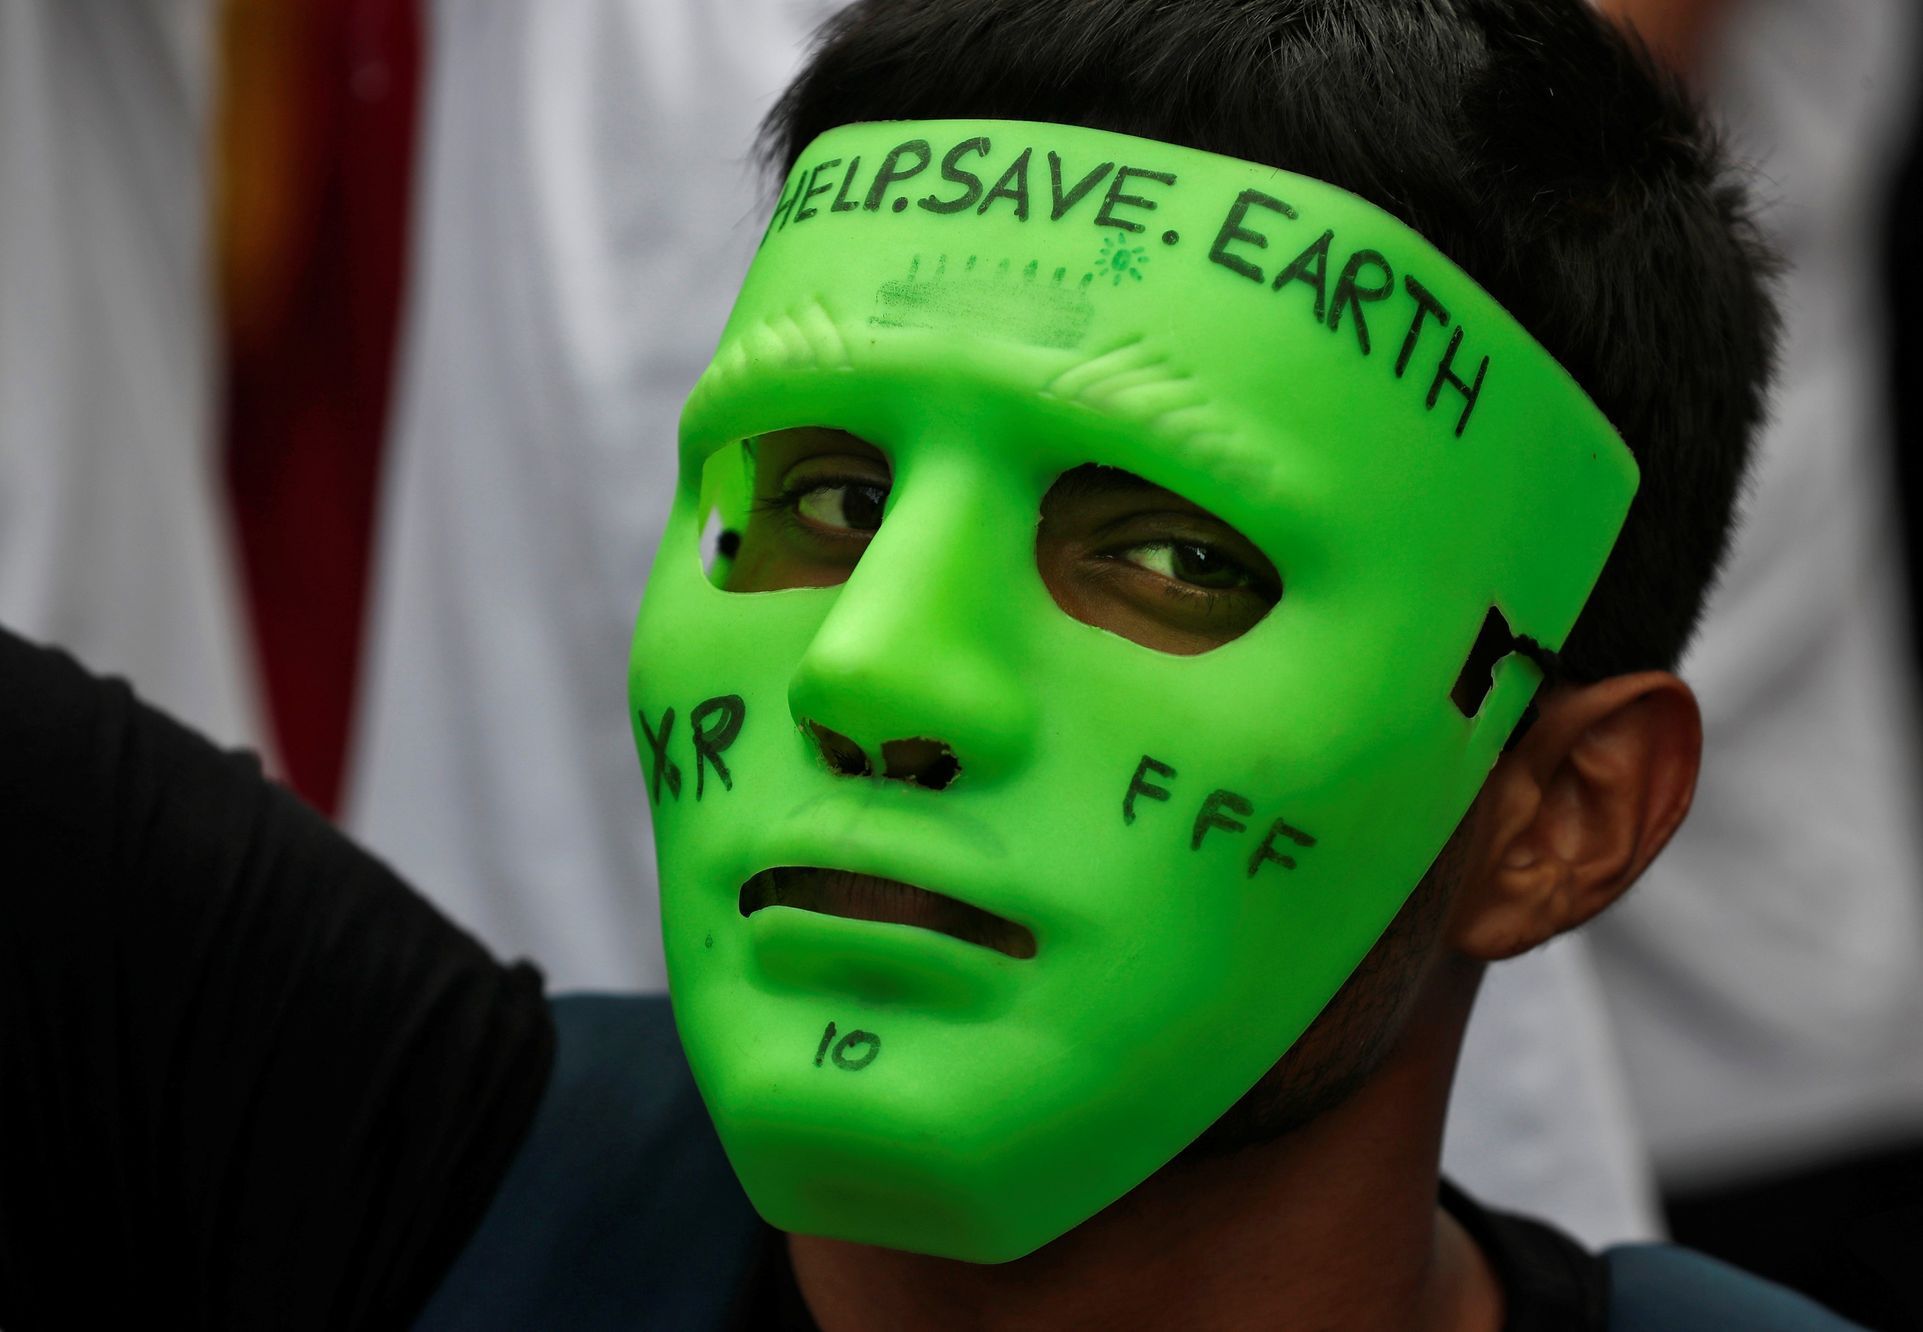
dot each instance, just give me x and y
(1203, 846)
(1268, 345)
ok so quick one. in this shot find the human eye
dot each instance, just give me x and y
(1123, 554)
(842, 506)
(1192, 565)
(819, 495)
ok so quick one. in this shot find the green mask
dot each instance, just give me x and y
(1204, 846)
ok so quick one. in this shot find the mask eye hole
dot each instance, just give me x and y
(1126, 555)
(791, 508)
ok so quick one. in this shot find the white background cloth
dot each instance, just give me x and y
(1540, 1120)
(111, 539)
(1767, 976)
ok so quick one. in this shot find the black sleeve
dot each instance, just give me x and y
(248, 1079)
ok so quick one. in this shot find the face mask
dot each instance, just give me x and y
(1200, 848)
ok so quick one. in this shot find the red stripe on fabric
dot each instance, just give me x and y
(308, 391)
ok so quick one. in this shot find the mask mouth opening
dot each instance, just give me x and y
(852, 896)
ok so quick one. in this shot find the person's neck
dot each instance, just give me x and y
(1334, 1225)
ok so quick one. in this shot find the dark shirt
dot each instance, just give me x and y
(622, 1213)
(248, 1079)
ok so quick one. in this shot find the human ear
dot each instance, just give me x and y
(1575, 811)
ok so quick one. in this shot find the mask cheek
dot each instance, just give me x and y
(707, 688)
(1204, 848)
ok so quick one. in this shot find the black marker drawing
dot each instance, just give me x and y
(1312, 268)
(1426, 306)
(1063, 202)
(1211, 815)
(712, 727)
(1233, 232)
(892, 171)
(865, 1045)
(709, 741)
(1446, 374)
(1138, 787)
(953, 172)
(1351, 292)
(804, 208)
(660, 766)
(1012, 184)
(854, 1040)
(1267, 852)
(1364, 277)
(1108, 217)
(842, 203)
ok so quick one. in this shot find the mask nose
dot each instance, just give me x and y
(917, 673)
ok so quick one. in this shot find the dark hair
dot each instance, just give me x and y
(1529, 140)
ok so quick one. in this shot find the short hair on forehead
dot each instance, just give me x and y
(1529, 140)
